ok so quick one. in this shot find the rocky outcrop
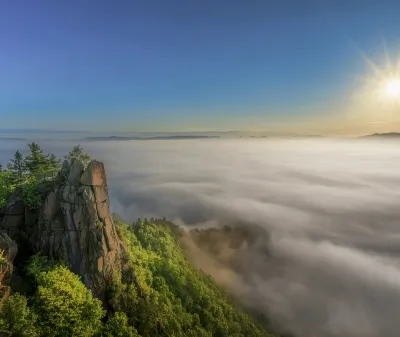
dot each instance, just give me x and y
(75, 224)
(8, 251)
(14, 215)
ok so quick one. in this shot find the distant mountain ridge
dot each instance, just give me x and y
(115, 138)
(383, 135)
(12, 138)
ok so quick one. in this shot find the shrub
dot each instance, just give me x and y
(16, 317)
(38, 264)
(5, 187)
(117, 326)
(65, 306)
(30, 195)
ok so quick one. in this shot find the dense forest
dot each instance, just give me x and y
(157, 292)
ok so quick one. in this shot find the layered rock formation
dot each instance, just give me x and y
(74, 224)
(14, 215)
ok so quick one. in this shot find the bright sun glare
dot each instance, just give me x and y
(382, 85)
(392, 88)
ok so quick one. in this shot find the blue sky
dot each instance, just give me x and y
(183, 65)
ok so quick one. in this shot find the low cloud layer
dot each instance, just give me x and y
(330, 211)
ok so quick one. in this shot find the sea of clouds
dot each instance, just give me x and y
(329, 211)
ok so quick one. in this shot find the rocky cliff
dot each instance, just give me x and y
(8, 251)
(73, 224)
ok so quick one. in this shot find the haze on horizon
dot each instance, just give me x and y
(312, 67)
(326, 213)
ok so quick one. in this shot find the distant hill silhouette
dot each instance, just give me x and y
(383, 135)
(112, 138)
(11, 138)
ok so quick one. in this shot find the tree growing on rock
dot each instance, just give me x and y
(17, 168)
(5, 186)
(39, 164)
(78, 153)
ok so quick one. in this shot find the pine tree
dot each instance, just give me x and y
(77, 153)
(36, 159)
(17, 168)
(40, 164)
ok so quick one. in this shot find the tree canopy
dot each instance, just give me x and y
(156, 292)
(30, 170)
(78, 153)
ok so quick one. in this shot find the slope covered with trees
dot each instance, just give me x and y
(155, 292)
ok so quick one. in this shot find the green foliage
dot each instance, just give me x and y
(5, 186)
(34, 169)
(17, 169)
(38, 264)
(117, 326)
(65, 306)
(3, 260)
(30, 194)
(156, 293)
(16, 317)
(77, 153)
(29, 172)
(163, 295)
(39, 164)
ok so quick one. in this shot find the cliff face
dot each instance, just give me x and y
(8, 249)
(14, 216)
(74, 224)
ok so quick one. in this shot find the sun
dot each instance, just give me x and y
(392, 88)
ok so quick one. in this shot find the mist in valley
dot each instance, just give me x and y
(324, 259)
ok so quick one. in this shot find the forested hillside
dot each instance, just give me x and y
(153, 290)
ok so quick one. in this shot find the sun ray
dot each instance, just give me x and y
(377, 71)
(389, 64)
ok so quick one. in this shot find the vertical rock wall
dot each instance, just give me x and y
(74, 224)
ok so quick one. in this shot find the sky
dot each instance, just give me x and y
(192, 65)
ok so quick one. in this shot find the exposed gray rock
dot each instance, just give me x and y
(8, 246)
(94, 175)
(75, 172)
(14, 215)
(65, 170)
(75, 225)
(51, 206)
(15, 204)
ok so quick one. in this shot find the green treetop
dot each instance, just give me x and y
(17, 168)
(40, 164)
(77, 153)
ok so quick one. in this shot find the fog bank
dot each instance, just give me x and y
(330, 211)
